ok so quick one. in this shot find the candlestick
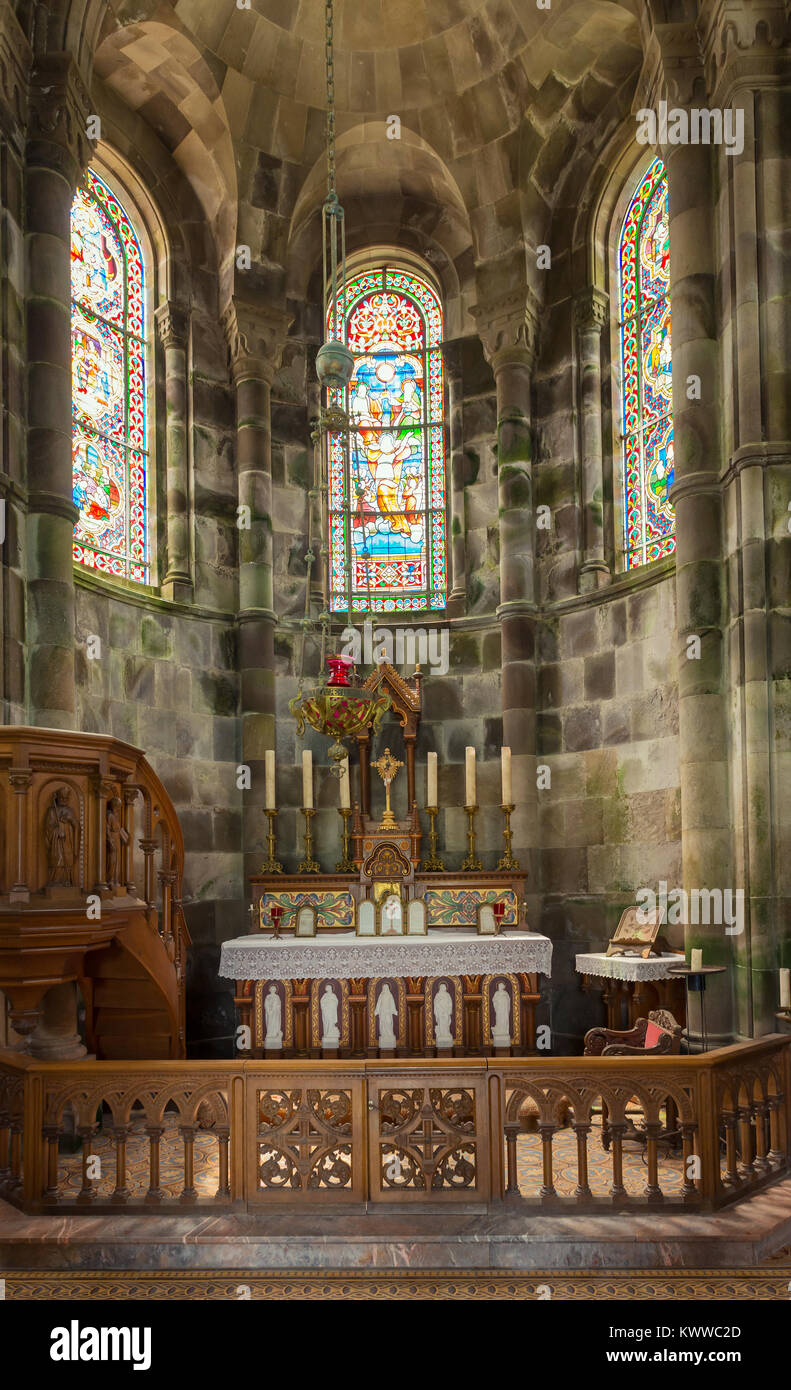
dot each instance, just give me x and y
(345, 790)
(308, 865)
(505, 765)
(431, 781)
(307, 779)
(269, 771)
(785, 989)
(469, 778)
(470, 863)
(433, 863)
(507, 861)
(272, 865)
(275, 914)
(346, 864)
(696, 959)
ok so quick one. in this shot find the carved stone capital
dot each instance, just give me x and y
(58, 121)
(15, 61)
(741, 40)
(256, 335)
(508, 325)
(591, 310)
(173, 323)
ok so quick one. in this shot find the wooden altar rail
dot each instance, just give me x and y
(365, 1132)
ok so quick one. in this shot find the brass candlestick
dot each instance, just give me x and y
(346, 864)
(308, 865)
(272, 865)
(471, 863)
(507, 861)
(433, 862)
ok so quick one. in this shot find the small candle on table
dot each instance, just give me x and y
(346, 795)
(469, 777)
(307, 780)
(785, 989)
(505, 763)
(696, 959)
(269, 768)
(431, 779)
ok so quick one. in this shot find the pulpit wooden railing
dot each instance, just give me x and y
(691, 1132)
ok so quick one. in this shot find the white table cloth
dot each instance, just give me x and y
(344, 955)
(628, 967)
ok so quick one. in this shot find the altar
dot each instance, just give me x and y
(450, 992)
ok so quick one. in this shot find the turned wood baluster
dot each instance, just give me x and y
(776, 1153)
(224, 1187)
(51, 1134)
(20, 779)
(617, 1131)
(88, 1191)
(652, 1189)
(120, 1191)
(582, 1191)
(746, 1134)
(511, 1182)
(731, 1178)
(149, 847)
(187, 1133)
(128, 850)
(688, 1191)
(155, 1193)
(547, 1133)
(761, 1164)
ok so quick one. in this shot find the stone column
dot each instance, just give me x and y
(457, 543)
(57, 149)
(591, 312)
(173, 327)
(255, 338)
(509, 334)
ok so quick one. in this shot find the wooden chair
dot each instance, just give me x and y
(610, 1042)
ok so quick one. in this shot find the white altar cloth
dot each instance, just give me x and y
(629, 967)
(344, 955)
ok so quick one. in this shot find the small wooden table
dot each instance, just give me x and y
(633, 986)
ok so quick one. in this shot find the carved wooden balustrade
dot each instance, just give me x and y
(91, 865)
(694, 1132)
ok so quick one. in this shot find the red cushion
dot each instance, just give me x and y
(653, 1033)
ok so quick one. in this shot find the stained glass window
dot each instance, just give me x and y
(109, 386)
(387, 474)
(646, 360)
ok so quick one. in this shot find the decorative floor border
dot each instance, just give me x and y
(425, 1285)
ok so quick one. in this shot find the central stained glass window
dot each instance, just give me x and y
(387, 473)
(644, 268)
(109, 360)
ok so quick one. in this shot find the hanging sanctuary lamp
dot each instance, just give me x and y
(338, 708)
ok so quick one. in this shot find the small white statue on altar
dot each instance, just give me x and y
(501, 1003)
(330, 1033)
(443, 1012)
(273, 1013)
(386, 1010)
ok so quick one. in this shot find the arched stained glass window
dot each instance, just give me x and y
(646, 360)
(109, 347)
(387, 476)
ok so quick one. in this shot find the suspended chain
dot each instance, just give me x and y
(330, 59)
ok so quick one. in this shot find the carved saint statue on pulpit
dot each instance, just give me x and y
(116, 836)
(330, 1033)
(443, 1012)
(62, 839)
(274, 1019)
(386, 1010)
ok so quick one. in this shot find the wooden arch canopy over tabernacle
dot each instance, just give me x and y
(406, 702)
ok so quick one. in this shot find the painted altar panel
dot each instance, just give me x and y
(454, 907)
(333, 909)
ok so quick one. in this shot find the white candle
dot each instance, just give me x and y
(505, 763)
(269, 768)
(696, 959)
(469, 777)
(346, 792)
(785, 989)
(431, 779)
(307, 779)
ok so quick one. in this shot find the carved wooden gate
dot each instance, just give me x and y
(360, 1134)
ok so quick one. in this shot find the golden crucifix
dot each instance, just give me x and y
(387, 767)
